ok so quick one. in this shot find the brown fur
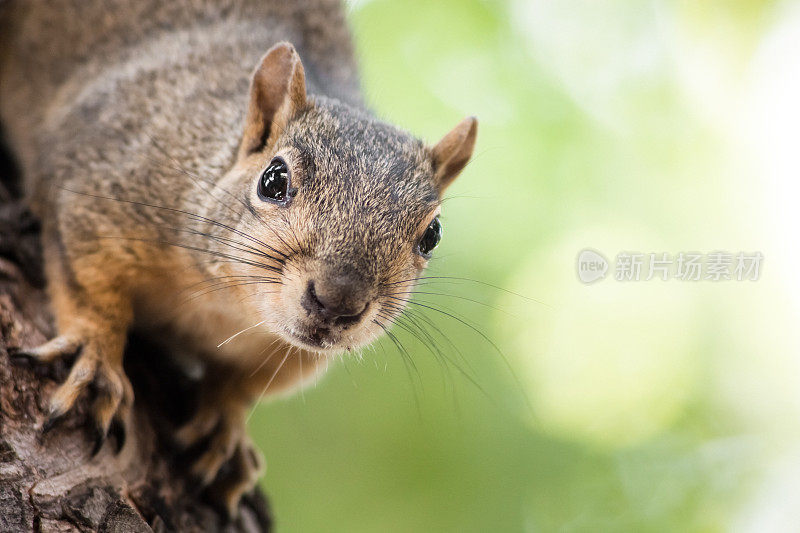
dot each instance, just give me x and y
(142, 135)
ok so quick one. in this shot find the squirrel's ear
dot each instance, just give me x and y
(277, 92)
(452, 153)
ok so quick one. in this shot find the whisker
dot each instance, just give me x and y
(453, 316)
(403, 352)
(261, 365)
(402, 324)
(180, 168)
(236, 245)
(269, 382)
(229, 339)
(198, 249)
(215, 279)
(483, 336)
(230, 286)
(434, 349)
(192, 216)
(408, 363)
(457, 278)
(466, 299)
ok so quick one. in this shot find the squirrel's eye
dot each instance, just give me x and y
(273, 185)
(431, 237)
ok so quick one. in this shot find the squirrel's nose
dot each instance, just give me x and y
(340, 299)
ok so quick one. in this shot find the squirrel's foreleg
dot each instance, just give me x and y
(221, 420)
(92, 322)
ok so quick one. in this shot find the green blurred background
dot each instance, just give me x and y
(642, 406)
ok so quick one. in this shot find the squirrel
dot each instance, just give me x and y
(196, 179)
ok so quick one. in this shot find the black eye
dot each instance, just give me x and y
(431, 237)
(274, 183)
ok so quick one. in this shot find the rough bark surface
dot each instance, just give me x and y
(50, 482)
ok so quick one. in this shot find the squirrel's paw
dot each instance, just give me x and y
(246, 466)
(228, 442)
(113, 393)
(226, 436)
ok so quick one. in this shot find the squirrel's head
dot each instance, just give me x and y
(342, 210)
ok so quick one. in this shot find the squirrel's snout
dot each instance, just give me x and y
(340, 300)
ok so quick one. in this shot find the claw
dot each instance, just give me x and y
(99, 438)
(21, 357)
(51, 422)
(117, 430)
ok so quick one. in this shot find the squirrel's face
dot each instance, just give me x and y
(344, 208)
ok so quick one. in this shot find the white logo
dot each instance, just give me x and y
(686, 266)
(591, 265)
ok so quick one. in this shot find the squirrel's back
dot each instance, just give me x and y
(59, 53)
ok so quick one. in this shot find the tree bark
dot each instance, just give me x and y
(50, 482)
